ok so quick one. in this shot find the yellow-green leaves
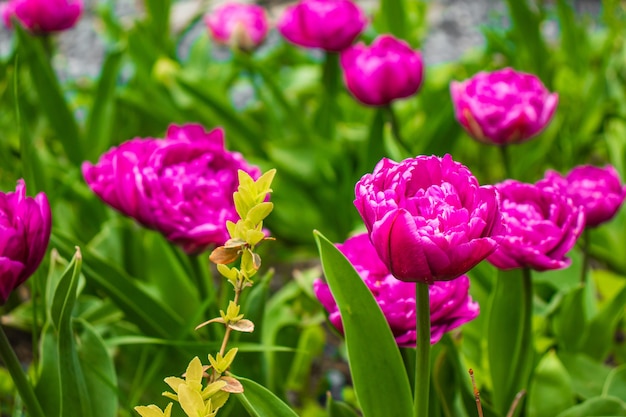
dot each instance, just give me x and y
(221, 363)
(154, 411)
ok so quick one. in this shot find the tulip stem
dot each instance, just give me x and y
(585, 248)
(14, 367)
(506, 161)
(422, 362)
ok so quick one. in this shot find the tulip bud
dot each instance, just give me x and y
(42, 16)
(242, 26)
(331, 25)
(503, 107)
(385, 71)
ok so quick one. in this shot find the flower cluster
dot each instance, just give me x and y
(450, 303)
(181, 186)
(42, 16)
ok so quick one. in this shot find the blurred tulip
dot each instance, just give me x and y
(42, 16)
(428, 218)
(385, 71)
(182, 185)
(598, 190)
(542, 224)
(503, 107)
(26, 224)
(332, 25)
(238, 25)
(450, 302)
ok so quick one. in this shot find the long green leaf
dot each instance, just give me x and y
(604, 406)
(152, 316)
(379, 377)
(551, 390)
(392, 18)
(100, 121)
(338, 408)
(50, 94)
(506, 338)
(260, 402)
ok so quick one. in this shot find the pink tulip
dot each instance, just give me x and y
(542, 225)
(239, 25)
(450, 302)
(428, 218)
(598, 190)
(503, 106)
(182, 185)
(385, 71)
(332, 25)
(42, 16)
(26, 223)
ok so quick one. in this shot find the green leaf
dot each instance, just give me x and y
(570, 320)
(509, 348)
(51, 99)
(379, 377)
(605, 406)
(338, 409)
(98, 371)
(152, 316)
(260, 402)
(615, 385)
(392, 18)
(588, 376)
(551, 389)
(601, 328)
(101, 115)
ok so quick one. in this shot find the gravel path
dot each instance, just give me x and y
(454, 29)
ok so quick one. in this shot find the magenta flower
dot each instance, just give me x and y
(503, 106)
(598, 190)
(25, 223)
(385, 71)
(450, 302)
(182, 185)
(42, 16)
(239, 25)
(542, 225)
(328, 24)
(428, 218)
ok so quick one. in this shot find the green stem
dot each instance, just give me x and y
(198, 277)
(506, 161)
(585, 267)
(327, 113)
(19, 377)
(422, 359)
(395, 129)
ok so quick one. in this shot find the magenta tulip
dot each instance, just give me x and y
(239, 25)
(450, 302)
(332, 25)
(428, 218)
(182, 185)
(598, 190)
(503, 107)
(42, 16)
(542, 224)
(26, 223)
(385, 71)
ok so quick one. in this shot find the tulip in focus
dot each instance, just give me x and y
(542, 224)
(503, 107)
(42, 16)
(239, 25)
(26, 224)
(450, 302)
(598, 190)
(428, 218)
(332, 25)
(181, 186)
(385, 71)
